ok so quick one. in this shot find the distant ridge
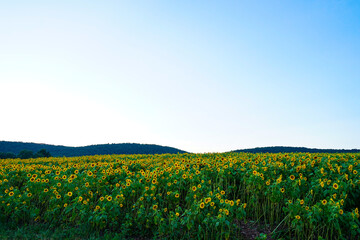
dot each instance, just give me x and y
(100, 149)
(135, 148)
(279, 149)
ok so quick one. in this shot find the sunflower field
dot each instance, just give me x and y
(202, 196)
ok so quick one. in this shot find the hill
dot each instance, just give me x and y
(280, 149)
(59, 151)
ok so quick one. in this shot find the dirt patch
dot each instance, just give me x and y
(252, 230)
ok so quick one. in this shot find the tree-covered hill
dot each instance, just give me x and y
(25, 150)
(280, 149)
(59, 151)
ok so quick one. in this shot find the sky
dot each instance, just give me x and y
(201, 76)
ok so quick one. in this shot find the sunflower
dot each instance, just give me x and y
(297, 217)
(11, 194)
(282, 190)
(177, 195)
(324, 202)
(341, 211)
(202, 205)
(194, 188)
(292, 177)
(69, 194)
(155, 207)
(97, 207)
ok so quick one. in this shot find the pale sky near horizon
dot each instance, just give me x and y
(201, 76)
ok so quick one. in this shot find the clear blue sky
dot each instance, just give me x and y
(202, 76)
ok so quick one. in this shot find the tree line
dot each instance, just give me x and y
(282, 149)
(25, 154)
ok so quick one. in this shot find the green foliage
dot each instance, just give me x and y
(26, 154)
(42, 153)
(7, 155)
